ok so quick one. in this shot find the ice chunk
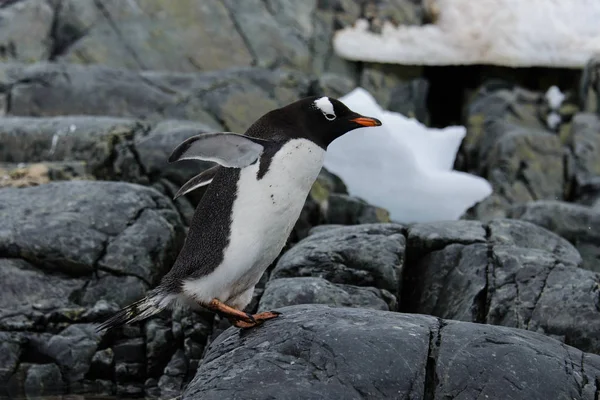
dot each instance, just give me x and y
(404, 166)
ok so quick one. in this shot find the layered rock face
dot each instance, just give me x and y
(94, 96)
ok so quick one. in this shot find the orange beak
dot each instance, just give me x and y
(366, 121)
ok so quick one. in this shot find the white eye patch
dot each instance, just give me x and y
(326, 108)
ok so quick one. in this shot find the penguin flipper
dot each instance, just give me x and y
(225, 148)
(198, 181)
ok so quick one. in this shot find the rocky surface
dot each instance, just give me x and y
(362, 255)
(322, 352)
(190, 36)
(290, 291)
(507, 272)
(70, 254)
(576, 223)
(96, 92)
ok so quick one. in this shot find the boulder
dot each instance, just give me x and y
(66, 248)
(520, 276)
(314, 351)
(585, 144)
(369, 255)
(579, 224)
(509, 143)
(291, 291)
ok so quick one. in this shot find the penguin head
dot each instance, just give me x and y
(319, 119)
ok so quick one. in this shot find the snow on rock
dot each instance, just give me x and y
(516, 33)
(404, 166)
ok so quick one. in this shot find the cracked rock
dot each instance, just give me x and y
(235, 97)
(360, 255)
(520, 276)
(290, 291)
(316, 350)
(579, 224)
(509, 144)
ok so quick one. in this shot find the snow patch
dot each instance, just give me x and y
(516, 33)
(404, 166)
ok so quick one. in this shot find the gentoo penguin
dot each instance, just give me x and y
(245, 216)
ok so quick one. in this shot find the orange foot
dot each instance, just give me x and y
(255, 320)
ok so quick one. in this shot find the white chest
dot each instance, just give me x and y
(266, 209)
(263, 215)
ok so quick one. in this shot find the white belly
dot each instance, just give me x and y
(264, 213)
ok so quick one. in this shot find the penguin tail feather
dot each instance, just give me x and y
(134, 312)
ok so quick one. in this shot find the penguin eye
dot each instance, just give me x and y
(329, 117)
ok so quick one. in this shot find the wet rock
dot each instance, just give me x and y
(43, 379)
(579, 224)
(291, 291)
(521, 276)
(361, 255)
(315, 349)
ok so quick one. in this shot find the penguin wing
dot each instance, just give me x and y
(226, 148)
(198, 181)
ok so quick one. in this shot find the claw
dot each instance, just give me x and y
(258, 319)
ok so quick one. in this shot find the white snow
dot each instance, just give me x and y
(554, 97)
(556, 33)
(404, 166)
(553, 120)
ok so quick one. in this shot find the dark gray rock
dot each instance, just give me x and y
(346, 210)
(102, 365)
(509, 144)
(10, 353)
(235, 97)
(521, 276)
(24, 285)
(26, 33)
(361, 255)
(105, 144)
(130, 351)
(517, 233)
(160, 345)
(158, 35)
(171, 383)
(119, 228)
(323, 353)
(589, 87)
(397, 88)
(72, 349)
(43, 379)
(291, 291)
(579, 224)
(586, 147)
